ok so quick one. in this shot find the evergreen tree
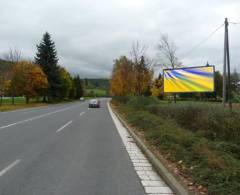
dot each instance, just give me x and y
(46, 57)
(79, 87)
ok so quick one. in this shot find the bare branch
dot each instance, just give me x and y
(167, 52)
(13, 55)
(137, 52)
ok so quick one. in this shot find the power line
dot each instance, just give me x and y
(235, 23)
(203, 41)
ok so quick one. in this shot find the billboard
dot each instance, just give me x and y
(189, 80)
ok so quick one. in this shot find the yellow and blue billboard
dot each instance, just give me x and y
(189, 80)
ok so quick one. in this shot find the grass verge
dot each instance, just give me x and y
(200, 141)
(20, 103)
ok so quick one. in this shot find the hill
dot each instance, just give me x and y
(96, 83)
(96, 87)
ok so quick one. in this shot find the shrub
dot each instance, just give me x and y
(121, 99)
(203, 136)
(212, 121)
(141, 103)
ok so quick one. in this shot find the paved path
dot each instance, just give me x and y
(64, 149)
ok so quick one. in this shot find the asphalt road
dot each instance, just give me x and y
(66, 149)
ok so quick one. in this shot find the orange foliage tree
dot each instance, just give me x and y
(122, 82)
(130, 78)
(29, 80)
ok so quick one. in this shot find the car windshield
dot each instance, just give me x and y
(93, 101)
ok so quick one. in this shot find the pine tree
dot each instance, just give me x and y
(46, 57)
(79, 87)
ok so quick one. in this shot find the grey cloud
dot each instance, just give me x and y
(89, 35)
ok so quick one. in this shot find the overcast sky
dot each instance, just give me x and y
(90, 34)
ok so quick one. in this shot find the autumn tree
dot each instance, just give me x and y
(66, 81)
(131, 76)
(123, 77)
(142, 68)
(13, 56)
(143, 76)
(46, 57)
(29, 79)
(157, 87)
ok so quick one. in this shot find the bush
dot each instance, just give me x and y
(143, 120)
(141, 103)
(204, 137)
(212, 121)
(121, 99)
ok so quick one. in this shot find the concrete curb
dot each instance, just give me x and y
(167, 176)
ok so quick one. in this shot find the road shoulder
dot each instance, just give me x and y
(151, 181)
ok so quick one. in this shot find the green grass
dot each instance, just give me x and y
(17, 100)
(203, 136)
(20, 103)
(95, 92)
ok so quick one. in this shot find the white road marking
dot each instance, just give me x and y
(82, 113)
(61, 128)
(34, 118)
(6, 169)
(151, 181)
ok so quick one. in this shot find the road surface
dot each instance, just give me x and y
(66, 149)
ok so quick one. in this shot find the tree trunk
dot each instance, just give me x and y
(44, 98)
(13, 102)
(27, 99)
(175, 98)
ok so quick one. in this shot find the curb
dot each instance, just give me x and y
(167, 176)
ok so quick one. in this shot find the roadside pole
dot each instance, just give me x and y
(224, 66)
(226, 69)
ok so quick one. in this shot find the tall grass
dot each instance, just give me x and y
(204, 137)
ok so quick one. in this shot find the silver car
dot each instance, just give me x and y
(94, 103)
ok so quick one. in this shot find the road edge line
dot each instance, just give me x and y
(161, 169)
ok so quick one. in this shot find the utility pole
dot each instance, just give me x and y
(226, 69)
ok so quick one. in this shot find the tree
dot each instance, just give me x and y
(235, 81)
(142, 68)
(167, 53)
(79, 87)
(143, 76)
(132, 76)
(123, 77)
(67, 83)
(13, 56)
(46, 57)
(157, 87)
(29, 79)
(218, 84)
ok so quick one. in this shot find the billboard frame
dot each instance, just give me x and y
(214, 87)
